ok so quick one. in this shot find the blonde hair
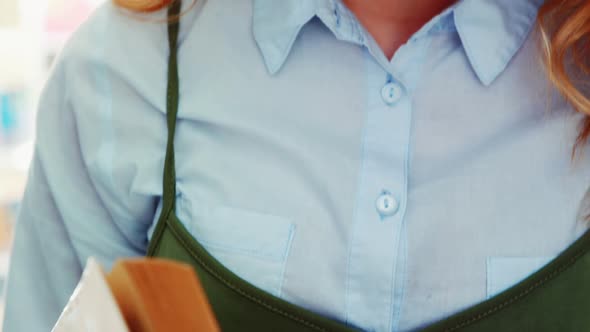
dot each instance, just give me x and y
(144, 6)
(565, 34)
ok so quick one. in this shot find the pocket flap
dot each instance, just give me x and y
(245, 231)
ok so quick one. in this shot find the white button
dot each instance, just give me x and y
(386, 204)
(391, 93)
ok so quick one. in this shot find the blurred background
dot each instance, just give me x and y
(32, 33)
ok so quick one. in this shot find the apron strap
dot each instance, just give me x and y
(172, 99)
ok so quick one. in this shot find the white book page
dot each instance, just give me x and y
(92, 307)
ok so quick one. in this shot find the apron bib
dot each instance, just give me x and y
(554, 299)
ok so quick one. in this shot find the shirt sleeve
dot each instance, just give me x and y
(67, 213)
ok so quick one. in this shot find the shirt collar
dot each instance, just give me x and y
(491, 31)
(277, 23)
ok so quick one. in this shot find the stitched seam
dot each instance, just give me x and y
(519, 296)
(157, 237)
(404, 274)
(395, 275)
(359, 181)
(285, 258)
(240, 291)
(488, 277)
(395, 317)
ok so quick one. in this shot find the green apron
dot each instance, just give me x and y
(554, 299)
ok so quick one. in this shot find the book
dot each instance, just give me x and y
(138, 295)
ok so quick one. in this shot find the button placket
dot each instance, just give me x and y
(381, 204)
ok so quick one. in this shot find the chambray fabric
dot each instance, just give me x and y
(385, 193)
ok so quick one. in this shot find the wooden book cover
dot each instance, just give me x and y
(139, 295)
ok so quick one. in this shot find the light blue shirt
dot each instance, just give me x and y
(384, 193)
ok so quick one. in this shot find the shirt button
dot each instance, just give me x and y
(391, 93)
(386, 204)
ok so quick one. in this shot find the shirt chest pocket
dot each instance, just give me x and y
(253, 245)
(505, 272)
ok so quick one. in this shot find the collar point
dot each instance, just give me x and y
(273, 64)
(491, 69)
(487, 78)
(272, 55)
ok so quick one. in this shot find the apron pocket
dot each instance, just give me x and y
(505, 272)
(253, 245)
